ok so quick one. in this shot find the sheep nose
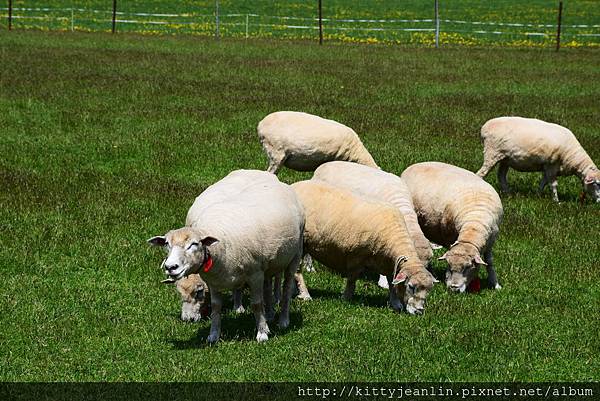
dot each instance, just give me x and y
(454, 287)
(171, 268)
(419, 311)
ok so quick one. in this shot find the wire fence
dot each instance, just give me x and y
(411, 22)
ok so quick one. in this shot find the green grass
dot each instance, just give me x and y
(467, 22)
(106, 141)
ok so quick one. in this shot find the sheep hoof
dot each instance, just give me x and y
(240, 309)
(262, 337)
(284, 323)
(497, 286)
(383, 283)
(304, 297)
(212, 338)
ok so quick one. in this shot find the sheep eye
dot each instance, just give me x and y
(193, 244)
(411, 288)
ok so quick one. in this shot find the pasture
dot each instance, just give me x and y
(106, 140)
(468, 22)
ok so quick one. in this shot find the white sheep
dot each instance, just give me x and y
(240, 230)
(459, 211)
(302, 141)
(527, 144)
(351, 234)
(382, 186)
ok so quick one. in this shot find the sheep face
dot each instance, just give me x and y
(463, 265)
(591, 184)
(187, 251)
(415, 290)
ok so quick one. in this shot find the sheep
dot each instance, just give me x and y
(351, 234)
(240, 230)
(302, 141)
(528, 144)
(459, 211)
(195, 298)
(382, 186)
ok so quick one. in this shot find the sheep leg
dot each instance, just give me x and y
(237, 301)
(543, 182)
(307, 263)
(288, 288)
(490, 159)
(276, 160)
(395, 303)
(550, 172)
(215, 317)
(256, 295)
(303, 293)
(277, 287)
(268, 298)
(491, 273)
(502, 173)
(350, 285)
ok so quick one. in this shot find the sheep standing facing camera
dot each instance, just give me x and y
(241, 230)
(527, 144)
(459, 211)
(302, 142)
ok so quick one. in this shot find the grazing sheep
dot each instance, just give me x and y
(195, 298)
(381, 186)
(302, 141)
(527, 144)
(350, 234)
(240, 230)
(460, 211)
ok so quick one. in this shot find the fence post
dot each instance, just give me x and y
(114, 16)
(560, 7)
(72, 20)
(217, 19)
(9, 15)
(247, 17)
(320, 23)
(437, 24)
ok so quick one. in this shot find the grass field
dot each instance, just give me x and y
(106, 141)
(466, 22)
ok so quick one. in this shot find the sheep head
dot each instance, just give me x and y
(415, 289)
(464, 261)
(591, 183)
(187, 251)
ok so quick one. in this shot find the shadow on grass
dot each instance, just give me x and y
(234, 327)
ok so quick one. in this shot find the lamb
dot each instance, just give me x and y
(382, 186)
(194, 298)
(350, 234)
(459, 211)
(302, 141)
(240, 230)
(528, 144)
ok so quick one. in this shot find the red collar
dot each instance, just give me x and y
(208, 264)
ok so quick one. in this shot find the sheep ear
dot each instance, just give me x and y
(400, 278)
(159, 240)
(208, 240)
(477, 259)
(443, 257)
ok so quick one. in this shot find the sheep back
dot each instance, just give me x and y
(258, 221)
